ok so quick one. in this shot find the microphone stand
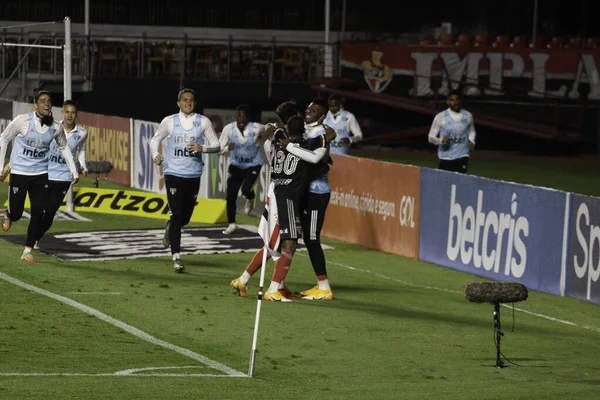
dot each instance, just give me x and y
(498, 335)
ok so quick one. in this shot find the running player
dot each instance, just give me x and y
(453, 131)
(242, 140)
(344, 122)
(32, 133)
(59, 176)
(188, 136)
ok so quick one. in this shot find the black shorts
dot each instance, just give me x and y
(288, 215)
(458, 165)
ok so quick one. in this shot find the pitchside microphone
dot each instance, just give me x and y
(496, 292)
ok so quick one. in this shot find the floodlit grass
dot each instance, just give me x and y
(398, 329)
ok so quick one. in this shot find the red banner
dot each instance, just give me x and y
(490, 71)
(108, 140)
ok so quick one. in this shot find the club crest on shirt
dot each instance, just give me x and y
(173, 191)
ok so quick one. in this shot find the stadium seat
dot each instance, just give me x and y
(538, 43)
(557, 42)
(464, 40)
(593, 43)
(519, 42)
(427, 42)
(501, 42)
(481, 41)
(574, 43)
(447, 39)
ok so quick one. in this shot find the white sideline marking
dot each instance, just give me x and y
(113, 375)
(127, 328)
(378, 275)
(95, 293)
(134, 370)
(127, 372)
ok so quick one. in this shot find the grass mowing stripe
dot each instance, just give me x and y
(127, 328)
(378, 275)
(24, 374)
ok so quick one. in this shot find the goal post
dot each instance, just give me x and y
(68, 94)
(67, 63)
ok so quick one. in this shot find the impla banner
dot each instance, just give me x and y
(408, 70)
(583, 257)
(376, 206)
(109, 140)
(497, 230)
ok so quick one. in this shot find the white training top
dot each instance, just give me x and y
(20, 127)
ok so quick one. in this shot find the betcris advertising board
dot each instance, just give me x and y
(497, 230)
(583, 260)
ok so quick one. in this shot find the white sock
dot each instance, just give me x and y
(282, 284)
(175, 256)
(273, 286)
(324, 284)
(27, 250)
(245, 278)
(232, 225)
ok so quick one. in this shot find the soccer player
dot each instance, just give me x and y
(242, 140)
(289, 179)
(59, 176)
(188, 135)
(315, 204)
(344, 122)
(32, 133)
(285, 112)
(453, 131)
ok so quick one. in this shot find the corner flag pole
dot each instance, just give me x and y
(258, 306)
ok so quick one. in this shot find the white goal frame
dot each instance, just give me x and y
(67, 73)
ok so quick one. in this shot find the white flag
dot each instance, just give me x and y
(268, 228)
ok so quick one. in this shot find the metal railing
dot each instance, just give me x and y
(179, 58)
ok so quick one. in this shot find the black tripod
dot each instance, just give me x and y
(498, 335)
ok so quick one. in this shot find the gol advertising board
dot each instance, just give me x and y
(109, 140)
(583, 256)
(376, 205)
(497, 230)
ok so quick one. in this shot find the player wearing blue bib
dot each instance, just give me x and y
(242, 140)
(453, 131)
(345, 125)
(188, 135)
(59, 176)
(32, 134)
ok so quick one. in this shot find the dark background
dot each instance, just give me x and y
(511, 17)
(153, 98)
